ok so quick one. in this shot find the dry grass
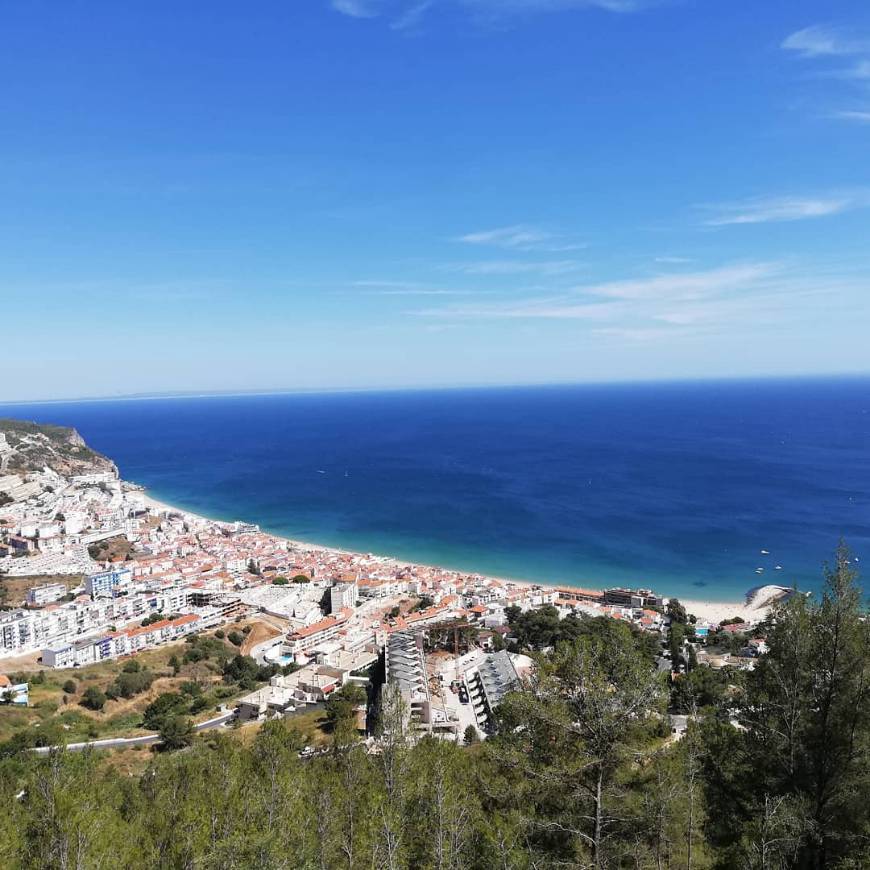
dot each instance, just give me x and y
(49, 702)
(17, 586)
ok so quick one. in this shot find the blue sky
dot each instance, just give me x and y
(358, 193)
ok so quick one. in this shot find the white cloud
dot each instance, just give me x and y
(649, 333)
(516, 236)
(411, 291)
(504, 7)
(517, 267)
(407, 288)
(684, 286)
(521, 237)
(412, 17)
(548, 309)
(357, 8)
(860, 117)
(824, 41)
(850, 51)
(675, 299)
(407, 15)
(786, 208)
(676, 306)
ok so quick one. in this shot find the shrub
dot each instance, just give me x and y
(235, 638)
(152, 618)
(70, 687)
(220, 634)
(130, 683)
(93, 698)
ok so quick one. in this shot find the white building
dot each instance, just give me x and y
(342, 595)
(41, 595)
(108, 584)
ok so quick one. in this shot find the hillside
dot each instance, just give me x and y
(27, 447)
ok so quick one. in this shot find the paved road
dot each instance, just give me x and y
(144, 740)
(258, 652)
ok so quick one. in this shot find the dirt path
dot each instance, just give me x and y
(260, 632)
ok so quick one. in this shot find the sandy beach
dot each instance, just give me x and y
(713, 612)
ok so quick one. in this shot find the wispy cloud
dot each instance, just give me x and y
(517, 236)
(852, 115)
(517, 267)
(506, 7)
(522, 237)
(686, 286)
(675, 261)
(677, 299)
(681, 306)
(786, 208)
(642, 334)
(407, 15)
(411, 18)
(406, 288)
(849, 51)
(552, 308)
(358, 8)
(825, 41)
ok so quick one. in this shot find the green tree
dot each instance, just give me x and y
(805, 751)
(566, 737)
(70, 687)
(676, 612)
(74, 815)
(176, 732)
(341, 713)
(163, 707)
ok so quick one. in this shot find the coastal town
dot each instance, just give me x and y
(124, 573)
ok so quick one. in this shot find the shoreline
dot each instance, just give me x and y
(713, 612)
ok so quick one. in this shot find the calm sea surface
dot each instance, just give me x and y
(677, 486)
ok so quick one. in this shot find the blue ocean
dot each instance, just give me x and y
(677, 486)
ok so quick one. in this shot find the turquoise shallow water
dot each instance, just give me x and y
(677, 486)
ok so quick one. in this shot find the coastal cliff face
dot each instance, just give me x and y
(27, 447)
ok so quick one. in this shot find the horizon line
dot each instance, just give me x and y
(299, 391)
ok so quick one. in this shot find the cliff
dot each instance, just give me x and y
(27, 447)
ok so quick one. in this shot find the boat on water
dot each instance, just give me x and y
(759, 570)
(778, 568)
(765, 552)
